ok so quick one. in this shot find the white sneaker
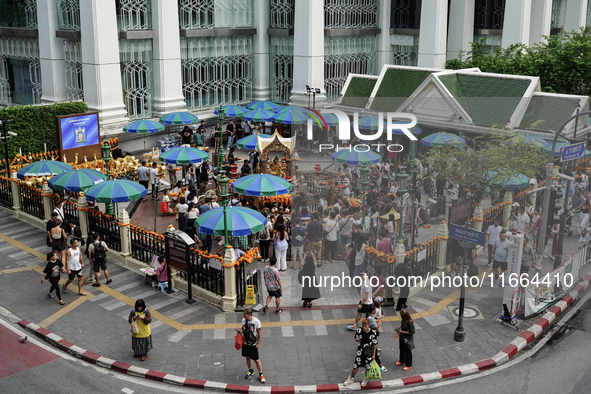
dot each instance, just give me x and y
(581, 240)
(221, 243)
(545, 256)
(349, 381)
(363, 382)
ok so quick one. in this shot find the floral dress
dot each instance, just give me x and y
(367, 340)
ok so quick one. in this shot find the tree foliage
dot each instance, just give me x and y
(36, 125)
(484, 162)
(563, 63)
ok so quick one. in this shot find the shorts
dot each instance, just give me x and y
(502, 264)
(75, 273)
(524, 269)
(275, 293)
(250, 351)
(99, 264)
(365, 308)
(316, 247)
(295, 250)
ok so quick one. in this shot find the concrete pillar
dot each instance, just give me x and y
(433, 35)
(16, 193)
(478, 218)
(443, 233)
(384, 46)
(168, 84)
(101, 71)
(576, 15)
(541, 21)
(516, 23)
(51, 53)
(400, 253)
(308, 52)
(124, 222)
(47, 195)
(229, 299)
(261, 89)
(461, 27)
(507, 209)
(83, 216)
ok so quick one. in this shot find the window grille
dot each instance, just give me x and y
(350, 14)
(489, 14)
(5, 97)
(281, 68)
(406, 49)
(406, 14)
(134, 15)
(35, 75)
(73, 60)
(22, 13)
(31, 13)
(136, 74)
(209, 14)
(558, 14)
(491, 42)
(345, 55)
(68, 14)
(22, 48)
(588, 24)
(216, 71)
(282, 12)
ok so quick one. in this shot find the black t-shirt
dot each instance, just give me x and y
(231, 158)
(186, 136)
(403, 270)
(52, 270)
(245, 169)
(201, 128)
(50, 224)
(230, 130)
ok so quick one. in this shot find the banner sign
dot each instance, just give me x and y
(460, 211)
(466, 234)
(513, 271)
(79, 131)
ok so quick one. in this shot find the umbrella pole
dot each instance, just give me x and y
(155, 199)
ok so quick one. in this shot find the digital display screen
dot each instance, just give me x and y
(79, 131)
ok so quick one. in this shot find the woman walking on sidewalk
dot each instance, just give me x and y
(52, 272)
(405, 334)
(366, 350)
(141, 343)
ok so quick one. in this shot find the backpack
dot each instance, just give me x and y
(264, 233)
(249, 338)
(99, 251)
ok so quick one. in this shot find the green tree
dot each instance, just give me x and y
(485, 163)
(563, 63)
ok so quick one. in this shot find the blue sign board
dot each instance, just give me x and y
(79, 131)
(571, 152)
(466, 234)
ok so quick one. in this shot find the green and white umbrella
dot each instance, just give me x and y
(116, 191)
(354, 158)
(183, 156)
(291, 115)
(240, 221)
(179, 118)
(439, 139)
(529, 139)
(261, 185)
(143, 127)
(43, 168)
(76, 180)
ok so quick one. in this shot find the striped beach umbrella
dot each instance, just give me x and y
(233, 111)
(179, 118)
(43, 168)
(352, 157)
(536, 142)
(240, 220)
(183, 156)
(259, 115)
(559, 146)
(76, 180)
(250, 142)
(116, 191)
(291, 115)
(509, 182)
(143, 126)
(369, 123)
(331, 119)
(440, 139)
(263, 104)
(261, 185)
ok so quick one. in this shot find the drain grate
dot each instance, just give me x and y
(471, 312)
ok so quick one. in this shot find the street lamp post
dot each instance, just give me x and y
(6, 137)
(224, 184)
(106, 151)
(413, 194)
(221, 117)
(460, 333)
(402, 179)
(364, 180)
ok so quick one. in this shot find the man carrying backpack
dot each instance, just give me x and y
(98, 254)
(251, 332)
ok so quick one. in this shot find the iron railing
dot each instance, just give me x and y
(5, 192)
(107, 227)
(244, 277)
(424, 257)
(204, 276)
(145, 244)
(70, 208)
(32, 201)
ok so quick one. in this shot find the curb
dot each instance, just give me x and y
(503, 356)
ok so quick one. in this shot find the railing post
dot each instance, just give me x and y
(16, 193)
(478, 218)
(124, 223)
(47, 195)
(443, 234)
(400, 253)
(229, 298)
(83, 216)
(508, 199)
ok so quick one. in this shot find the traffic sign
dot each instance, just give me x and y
(466, 234)
(571, 152)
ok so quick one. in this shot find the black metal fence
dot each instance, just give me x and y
(206, 277)
(107, 227)
(32, 201)
(244, 277)
(492, 214)
(425, 257)
(145, 244)
(5, 192)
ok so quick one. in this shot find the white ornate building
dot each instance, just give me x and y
(132, 59)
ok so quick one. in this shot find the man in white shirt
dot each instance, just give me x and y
(332, 227)
(154, 180)
(492, 234)
(394, 188)
(522, 221)
(268, 127)
(74, 265)
(365, 302)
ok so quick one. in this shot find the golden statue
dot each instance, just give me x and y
(276, 167)
(76, 159)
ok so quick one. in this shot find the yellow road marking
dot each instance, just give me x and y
(23, 247)
(13, 270)
(64, 310)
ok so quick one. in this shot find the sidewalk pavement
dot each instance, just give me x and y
(298, 347)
